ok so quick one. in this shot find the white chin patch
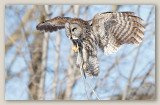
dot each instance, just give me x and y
(74, 37)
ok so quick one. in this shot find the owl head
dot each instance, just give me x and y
(73, 31)
(76, 29)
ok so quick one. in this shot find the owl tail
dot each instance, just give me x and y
(92, 66)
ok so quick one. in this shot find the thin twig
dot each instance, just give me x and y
(82, 76)
(83, 82)
(92, 89)
(21, 53)
(86, 79)
(124, 96)
(143, 80)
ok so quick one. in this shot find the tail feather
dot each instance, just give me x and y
(92, 66)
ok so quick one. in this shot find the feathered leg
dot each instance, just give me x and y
(90, 64)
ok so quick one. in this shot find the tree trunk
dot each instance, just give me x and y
(41, 95)
(71, 77)
(38, 61)
(57, 56)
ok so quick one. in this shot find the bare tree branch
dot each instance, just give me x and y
(41, 95)
(17, 34)
(57, 56)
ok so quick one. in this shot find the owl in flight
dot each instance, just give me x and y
(107, 31)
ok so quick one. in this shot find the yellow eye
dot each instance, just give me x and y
(74, 29)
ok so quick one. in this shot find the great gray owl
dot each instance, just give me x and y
(107, 31)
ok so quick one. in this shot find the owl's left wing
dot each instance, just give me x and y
(53, 24)
(117, 28)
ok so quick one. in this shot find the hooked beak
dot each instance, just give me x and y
(70, 36)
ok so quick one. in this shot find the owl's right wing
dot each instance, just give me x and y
(54, 24)
(117, 28)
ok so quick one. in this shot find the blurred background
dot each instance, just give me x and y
(41, 66)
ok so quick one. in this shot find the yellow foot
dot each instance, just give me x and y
(75, 48)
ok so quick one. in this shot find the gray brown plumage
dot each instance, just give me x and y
(53, 24)
(115, 29)
(107, 31)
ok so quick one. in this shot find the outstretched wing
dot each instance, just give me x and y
(117, 28)
(53, 24)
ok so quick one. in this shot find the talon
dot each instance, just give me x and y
(75, 48)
